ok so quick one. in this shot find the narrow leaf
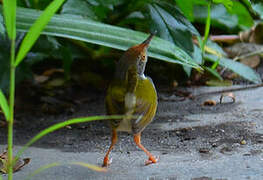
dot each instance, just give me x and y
(43, 168)
(36, 29)
(4, 105)
(214, 72)
(61, 125)
(55, 164)
(241, 69)
(90, 166)
(9, 8)
(79, 28)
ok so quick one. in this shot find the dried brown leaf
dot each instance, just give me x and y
(209, 102)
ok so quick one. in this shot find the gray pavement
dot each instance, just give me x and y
(224, 124)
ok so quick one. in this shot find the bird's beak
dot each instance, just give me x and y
(147, 41)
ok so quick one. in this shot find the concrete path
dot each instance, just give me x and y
(194, 142)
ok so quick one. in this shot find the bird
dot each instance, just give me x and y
(133, 95)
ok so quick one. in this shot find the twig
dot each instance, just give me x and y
(229, 90)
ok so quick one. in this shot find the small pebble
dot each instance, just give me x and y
(243, 142)
(204, 150)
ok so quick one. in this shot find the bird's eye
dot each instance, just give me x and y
(143, 57)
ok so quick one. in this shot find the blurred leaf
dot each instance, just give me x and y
(219, 83)
(227, 3)
(213, 72)
(4, 105)
(172, 25)
(213, 48)
(78, 7)
(103, 34)
(2, 28)
(219, 17)
(188, 8)
(244, 18)
(9, 12)
(241, 69)
(35, 30)
(67, 60)
(22, 72)
(258, 7)
(55, 164)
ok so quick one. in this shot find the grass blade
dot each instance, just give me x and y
(36, 29)
(55, 164)
(61, 125)
(9, 8)
(4, 105)
(43, 168)
(90, 31)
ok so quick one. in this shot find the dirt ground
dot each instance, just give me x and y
(183, 129)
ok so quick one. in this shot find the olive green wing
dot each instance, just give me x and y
(115, 102)
(146, 105)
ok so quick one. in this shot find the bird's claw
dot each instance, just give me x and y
(107, 162)
(151, 160)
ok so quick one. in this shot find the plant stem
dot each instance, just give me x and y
(207, 29)
(11, 110)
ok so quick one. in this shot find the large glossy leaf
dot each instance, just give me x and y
(241, 69)
(102, 34)
(172, 25)
(9, 12)
(36, 28)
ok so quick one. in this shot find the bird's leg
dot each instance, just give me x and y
(137, 140)
(114, 139)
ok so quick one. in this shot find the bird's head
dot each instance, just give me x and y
(135, 55)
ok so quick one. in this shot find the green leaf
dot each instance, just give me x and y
(23, 71)
(172, 25)
(4, 105)
(78, 7)
(213, 72)
(187, 8)
(102, 34)
(9, 11)
(241, 69)
(245, 20)
(35, 30)
(2, 28)
(227, 3)
(258, 7)
(61, 125)
(219, 17)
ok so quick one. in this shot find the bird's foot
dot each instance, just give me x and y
(106, 162)
(151, 160)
